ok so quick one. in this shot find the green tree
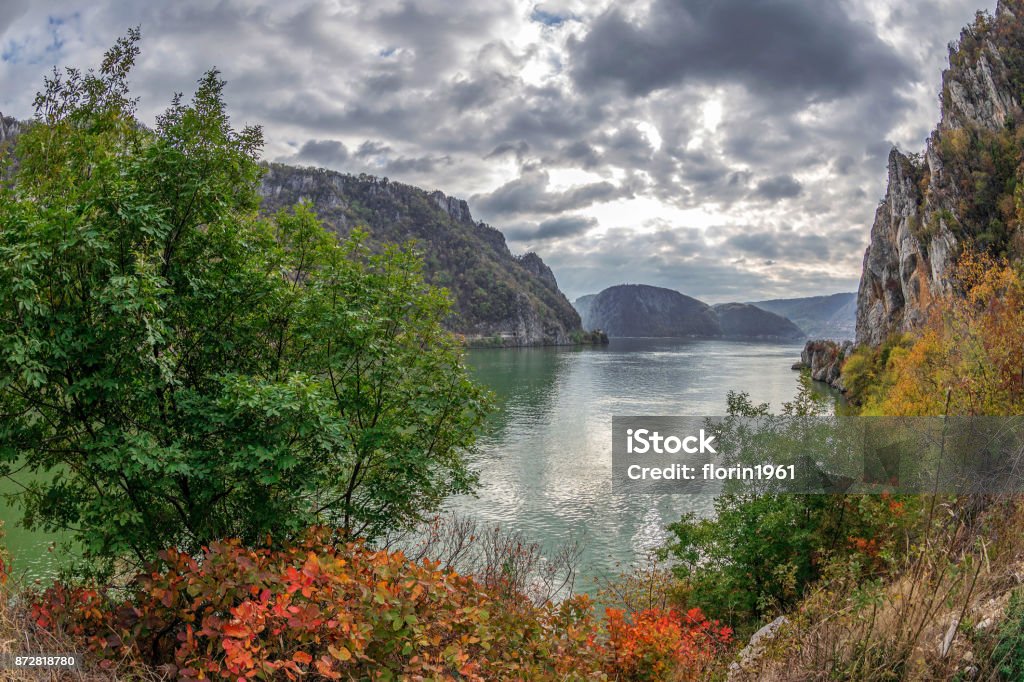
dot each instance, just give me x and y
(182, 369)
(759, 552)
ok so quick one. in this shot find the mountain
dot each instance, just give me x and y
(498, 298)
(642, 310)
(963, 189)
(821, 317)
(745, 321)
(582, 306)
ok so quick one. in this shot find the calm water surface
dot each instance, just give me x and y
(545, 460)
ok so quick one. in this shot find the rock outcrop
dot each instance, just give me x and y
(745, 321)
(9, 128)
(958, 191)
(824, 358)
(498, 298)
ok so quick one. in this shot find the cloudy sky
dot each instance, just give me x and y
(730, 149)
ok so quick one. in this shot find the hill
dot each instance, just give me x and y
(641, 310)
(745, 321)
(498, 298)
(821, 317)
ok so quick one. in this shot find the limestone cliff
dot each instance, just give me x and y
(960, 191)
(498, 298)
(9, 128)
(824, 358)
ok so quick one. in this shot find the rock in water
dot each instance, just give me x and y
(825, 360)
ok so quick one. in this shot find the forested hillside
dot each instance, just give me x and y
(498, 298)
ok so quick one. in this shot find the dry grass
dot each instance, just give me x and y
(19, 636)
(933, 621)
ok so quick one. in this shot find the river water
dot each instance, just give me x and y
(545, 456)
(545, 459)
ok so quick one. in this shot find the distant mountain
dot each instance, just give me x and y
(821, 317)
(745, 321)
(582, 306)
(499, 298)
(646, 311)
(642, 310)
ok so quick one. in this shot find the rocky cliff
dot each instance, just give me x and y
(9, 128)
(824, 358)
(962, 190)
(498, 298)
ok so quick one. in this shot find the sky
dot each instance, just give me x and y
(728, 149)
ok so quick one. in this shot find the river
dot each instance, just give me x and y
(545, 456)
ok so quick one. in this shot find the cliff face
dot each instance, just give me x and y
(582, 306)
(961, 190)
(498, 298)
(9, 128)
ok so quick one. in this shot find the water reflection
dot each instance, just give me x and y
(545, 460)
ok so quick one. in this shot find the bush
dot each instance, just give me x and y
(658, 643)
(220, 374)
(348, 612)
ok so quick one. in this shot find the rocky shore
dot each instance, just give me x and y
(824, 358)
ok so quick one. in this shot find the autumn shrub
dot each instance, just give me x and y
(967, 358)
(655, 644)
(758, 554)
(348, 612)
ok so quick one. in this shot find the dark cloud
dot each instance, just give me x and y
(10, 10)
(555, 228)
(331, 153)
(811, 48)
(529, 194)
(779, 187)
